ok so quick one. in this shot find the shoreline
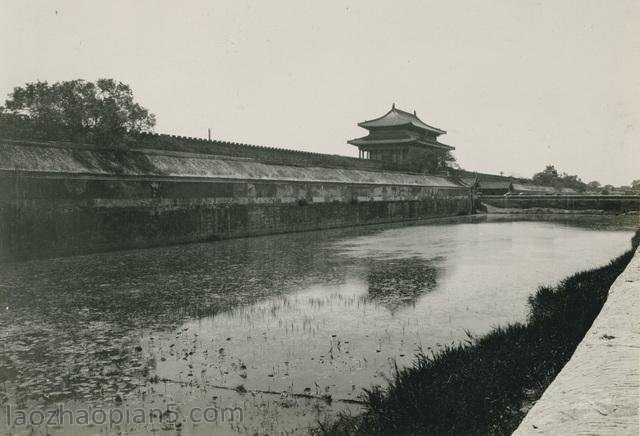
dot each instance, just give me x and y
(597, 389)
(491, 210)
(489, 384)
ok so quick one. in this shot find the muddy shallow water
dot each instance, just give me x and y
(290, 327)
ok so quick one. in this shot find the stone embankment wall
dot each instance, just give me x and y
(62, 199)
(606, 203)
(598, 390)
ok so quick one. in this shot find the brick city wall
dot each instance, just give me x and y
(62, 199)
(42, 217)
(272, 155)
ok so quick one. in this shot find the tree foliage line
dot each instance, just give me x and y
(102, 112)
(550, 176)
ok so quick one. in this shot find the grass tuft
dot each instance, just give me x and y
(487, 384)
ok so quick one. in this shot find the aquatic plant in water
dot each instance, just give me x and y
(487, 385)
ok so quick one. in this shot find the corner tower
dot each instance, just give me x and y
(400, 137)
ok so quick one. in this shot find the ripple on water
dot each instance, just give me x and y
(318, 314)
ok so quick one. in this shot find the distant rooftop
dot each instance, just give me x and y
(396, 117)
(495, 184)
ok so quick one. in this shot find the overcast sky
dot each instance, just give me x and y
(517, 84)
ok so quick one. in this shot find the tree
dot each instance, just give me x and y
(547, 177)
(429, 161)
(635, 185)
(594, 185)
(550, 177)
(607, 189)
(103, 112)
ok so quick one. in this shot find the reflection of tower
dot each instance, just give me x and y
(397, 282)
(397, 137)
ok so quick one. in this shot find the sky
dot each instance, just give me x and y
(517, 84)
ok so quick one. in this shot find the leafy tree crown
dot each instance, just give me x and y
(103, 112)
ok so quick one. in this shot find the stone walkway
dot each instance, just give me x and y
(598, 391)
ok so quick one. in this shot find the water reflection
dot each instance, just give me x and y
(71, 327)
(398, 282)
(320, 312)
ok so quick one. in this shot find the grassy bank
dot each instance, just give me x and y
(487, 385)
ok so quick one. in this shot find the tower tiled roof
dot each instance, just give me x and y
(396, 117)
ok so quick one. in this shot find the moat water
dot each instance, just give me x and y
(271, 323)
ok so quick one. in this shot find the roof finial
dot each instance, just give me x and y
(393, 106)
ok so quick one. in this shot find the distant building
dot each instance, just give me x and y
(568, 191)
(522, 189)
(470, 182)
(497, 187)
(400, 137)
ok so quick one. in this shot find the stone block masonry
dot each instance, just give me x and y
(59, 200)
(46, 228)
(598, 390)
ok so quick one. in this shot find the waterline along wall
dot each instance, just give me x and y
(576, 203)
(61, 199)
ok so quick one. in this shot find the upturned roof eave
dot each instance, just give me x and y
(363, 141)
(364, 125)
(421, 124)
